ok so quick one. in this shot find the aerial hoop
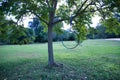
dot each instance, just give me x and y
(76, 42)
(71, 44)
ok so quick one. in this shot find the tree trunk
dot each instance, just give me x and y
(50, 47)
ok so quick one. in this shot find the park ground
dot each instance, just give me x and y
(92, 60)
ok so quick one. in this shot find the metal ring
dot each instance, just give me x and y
(77, 43)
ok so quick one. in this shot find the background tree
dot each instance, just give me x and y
(38, 29)
(81, 12)
(3, 36)
(92, 32)
(8, 34)
(100, 32)
(9, 29)
(112, 25)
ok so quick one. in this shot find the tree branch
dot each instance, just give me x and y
(100, 10)
(60, 20)
(55, 4)
(77, 13)
(73, 16)
(38, 16)
(48, 3)
(87, 6)
(80, 8)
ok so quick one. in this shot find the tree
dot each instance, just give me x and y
(102, 33)
(92, 32)
(2, 28)
(8, 34)
(80, 11)
(9, 29)
(112, 25)
(38, 29)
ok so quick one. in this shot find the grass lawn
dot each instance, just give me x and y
(94, 60)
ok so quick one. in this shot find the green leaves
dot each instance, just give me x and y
(112, 25)
(10, 33)
(57, 28)
(63, 12)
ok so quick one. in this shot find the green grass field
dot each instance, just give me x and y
(94, 60)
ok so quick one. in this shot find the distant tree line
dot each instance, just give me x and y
(100, 32)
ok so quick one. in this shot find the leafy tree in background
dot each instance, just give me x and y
(92, 32)
(100, 32)
(112, 22)
(81, 12)
(38, 29)
(112, 25)
(9, 29)
(2, 29)
(21, 37)
(12, 34)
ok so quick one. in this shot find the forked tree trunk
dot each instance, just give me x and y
(50, 47)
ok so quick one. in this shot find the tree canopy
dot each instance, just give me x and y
(80, 10)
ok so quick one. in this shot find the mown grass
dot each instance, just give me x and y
(94, 60)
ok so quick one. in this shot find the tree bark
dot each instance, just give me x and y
(50, 37)
(50, 46)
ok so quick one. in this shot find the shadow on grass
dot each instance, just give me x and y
(36, 70)
(73, 69)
